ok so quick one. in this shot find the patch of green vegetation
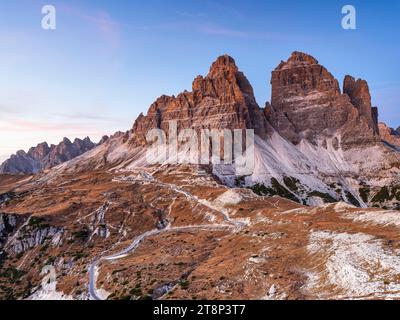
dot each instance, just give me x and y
(326, 197)
(37, 223)
(282, 191)
(395, 193)
(276, 189)
(240, 181)
(291, 183)
(387, 194)
(364, 192)
(5, 198)
(262, 190)
(184, 283)
(336, 187)
(352, 199)
(136, 292)
(381, 196)
(81, 235)
(79, 255)
(12, 273)
(44, 248)
(112, 296)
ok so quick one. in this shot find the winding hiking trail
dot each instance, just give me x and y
(229, 224)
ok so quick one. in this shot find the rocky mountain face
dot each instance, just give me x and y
(307, 103)
(390, 135)
(44, 156)
(224, 99)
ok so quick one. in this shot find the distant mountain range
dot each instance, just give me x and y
(44, 156)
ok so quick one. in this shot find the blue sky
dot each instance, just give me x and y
(107, 61)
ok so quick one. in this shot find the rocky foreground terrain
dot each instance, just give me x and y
(202, 240)
(316, 219)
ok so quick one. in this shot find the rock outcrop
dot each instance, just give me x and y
(8, 224)
(389, 135)
(224, 99)
(44, 156)
(306, 103)
(358, 92)
(30, 237)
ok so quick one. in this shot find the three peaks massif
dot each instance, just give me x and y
(315, 142)
(317, 219)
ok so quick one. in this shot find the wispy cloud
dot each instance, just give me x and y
(217, 30)
(221, 31)
(191, 15)
(101, 19)
(196, 21)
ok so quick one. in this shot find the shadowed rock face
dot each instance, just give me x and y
(358, 92)
(389, 135)
(224, 99)
(44, 156)
(306, 103)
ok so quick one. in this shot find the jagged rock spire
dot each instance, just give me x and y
(306, 103)
(223, 99)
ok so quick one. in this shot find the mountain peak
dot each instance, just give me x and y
(66, 141)
(359, 94)
(297, 59)
(44, 156)
(222, 64)
(309, 104)
(224, 99)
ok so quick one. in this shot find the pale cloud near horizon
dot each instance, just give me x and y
(89, 117)
(28, 125)
(3, 157)
(18, 133)
(22, 134)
